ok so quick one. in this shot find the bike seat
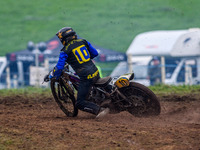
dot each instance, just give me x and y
(102, 82)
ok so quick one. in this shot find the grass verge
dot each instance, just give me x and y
(157, 89)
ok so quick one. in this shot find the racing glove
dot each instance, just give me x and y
(55, 73)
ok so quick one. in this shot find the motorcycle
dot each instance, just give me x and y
(119, 94)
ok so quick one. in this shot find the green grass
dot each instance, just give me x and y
(9, 140)
(5, 142)
(158, 89)
(170, 89)
(106, 68)
(111, 24)
(28, 91)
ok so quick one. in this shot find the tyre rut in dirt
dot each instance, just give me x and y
(144, 101)
(63, 98)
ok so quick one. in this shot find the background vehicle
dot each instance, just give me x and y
(177, 70)
(179, 49)
(139, 67)
(119, 94)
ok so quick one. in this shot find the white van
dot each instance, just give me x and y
(177, 70)
(183, 71)
(139, 67)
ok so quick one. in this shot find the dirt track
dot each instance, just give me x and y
(38, 123)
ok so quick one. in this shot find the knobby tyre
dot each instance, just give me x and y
(143, 101)
(64, 99)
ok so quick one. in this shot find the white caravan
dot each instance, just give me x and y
(179, 48)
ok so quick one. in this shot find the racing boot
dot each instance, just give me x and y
(103, 112)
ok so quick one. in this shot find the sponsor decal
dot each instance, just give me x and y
(90, 76)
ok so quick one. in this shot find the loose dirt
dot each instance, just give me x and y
(37, 123)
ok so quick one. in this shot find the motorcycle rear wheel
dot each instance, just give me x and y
(63, 98)
(143, 101)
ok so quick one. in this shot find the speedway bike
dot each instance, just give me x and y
(119, 94)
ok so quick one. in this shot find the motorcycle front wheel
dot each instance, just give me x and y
(64, 99)
(142, 101)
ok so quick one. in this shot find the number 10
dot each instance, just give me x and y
(82, 54)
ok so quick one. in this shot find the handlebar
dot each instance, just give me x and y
(46, 78)
(66, 69)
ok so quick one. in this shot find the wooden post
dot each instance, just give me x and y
(130, 64)
(188, 75)
(46, 65)
(163, 69)
(15, 82)
(8, 78)
(37, 68)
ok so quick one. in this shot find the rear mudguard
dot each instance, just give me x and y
(123, 80)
